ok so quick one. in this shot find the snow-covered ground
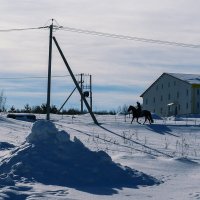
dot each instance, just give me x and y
(72, 158)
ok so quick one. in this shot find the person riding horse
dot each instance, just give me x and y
(139, 109)
(138, 112)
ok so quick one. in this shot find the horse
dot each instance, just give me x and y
(144, 113)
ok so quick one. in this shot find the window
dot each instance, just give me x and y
(169, 96)
(187, 92)
(161, 98)
(177, 94)
(162, 86)
(154, 100)
(186, 105)
(174, 83)
(146, 101)
(161, 110)
(168, 84)
(179, 107)
(197, 91)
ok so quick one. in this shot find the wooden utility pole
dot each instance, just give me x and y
(49, 72)
(91, 92)
(82, 93)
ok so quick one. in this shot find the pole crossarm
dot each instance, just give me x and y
(75, 82)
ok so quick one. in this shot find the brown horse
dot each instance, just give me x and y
(144, 113)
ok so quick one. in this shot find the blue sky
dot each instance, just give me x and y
(121, 69)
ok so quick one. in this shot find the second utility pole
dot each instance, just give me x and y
(49, 72)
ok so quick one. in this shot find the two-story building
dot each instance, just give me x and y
(173, 94)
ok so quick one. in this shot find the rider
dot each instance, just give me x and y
(139, 108)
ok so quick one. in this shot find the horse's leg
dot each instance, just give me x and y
(132, 119)
(149, 120)
(145, 120)
(138, 121)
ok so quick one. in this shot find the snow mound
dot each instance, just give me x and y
(49, 156)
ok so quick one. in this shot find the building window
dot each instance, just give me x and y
(169, 96)
(179, 107)
(186, 105)
(168, 84)
(174, 83)
(154, 110)
(187, 92)
(197, 91)
(162, 86)
(146, 101)
(161, 98)
(177, 94)
(161, 110)
(154, 100)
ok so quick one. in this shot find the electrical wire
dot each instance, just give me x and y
(31, 77)
(23, 29)
(104, 34)
(37, 77)
(125, 37)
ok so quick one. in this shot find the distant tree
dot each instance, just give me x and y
(44, 108)
(119, 110)
(53, 109)
(37, 109)
(73, 111)
(12, 109)
(2, 102)
(125, 111)
(112, 112)
(27, 108)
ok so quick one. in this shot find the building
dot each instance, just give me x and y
(173, 94)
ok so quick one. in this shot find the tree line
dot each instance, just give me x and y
(42, 109)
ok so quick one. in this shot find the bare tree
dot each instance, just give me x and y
(2, 102)
(125, 111)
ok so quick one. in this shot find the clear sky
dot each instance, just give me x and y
(121, 69)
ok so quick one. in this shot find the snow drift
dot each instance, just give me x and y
(49, 156)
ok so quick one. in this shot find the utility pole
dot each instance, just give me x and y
(91, 92)
(82, 93)
(49, 72)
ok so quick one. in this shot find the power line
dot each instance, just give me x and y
(22, 29)
(37, 77)
(125, 37)
(104, 34)
(30, 77)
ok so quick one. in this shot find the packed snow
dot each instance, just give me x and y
(69, 157)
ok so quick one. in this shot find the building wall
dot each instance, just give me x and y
(196, 99)
(170, 96)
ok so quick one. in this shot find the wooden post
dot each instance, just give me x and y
(49, 72)
(82, 93)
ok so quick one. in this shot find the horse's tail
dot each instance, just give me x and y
(150, 117)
